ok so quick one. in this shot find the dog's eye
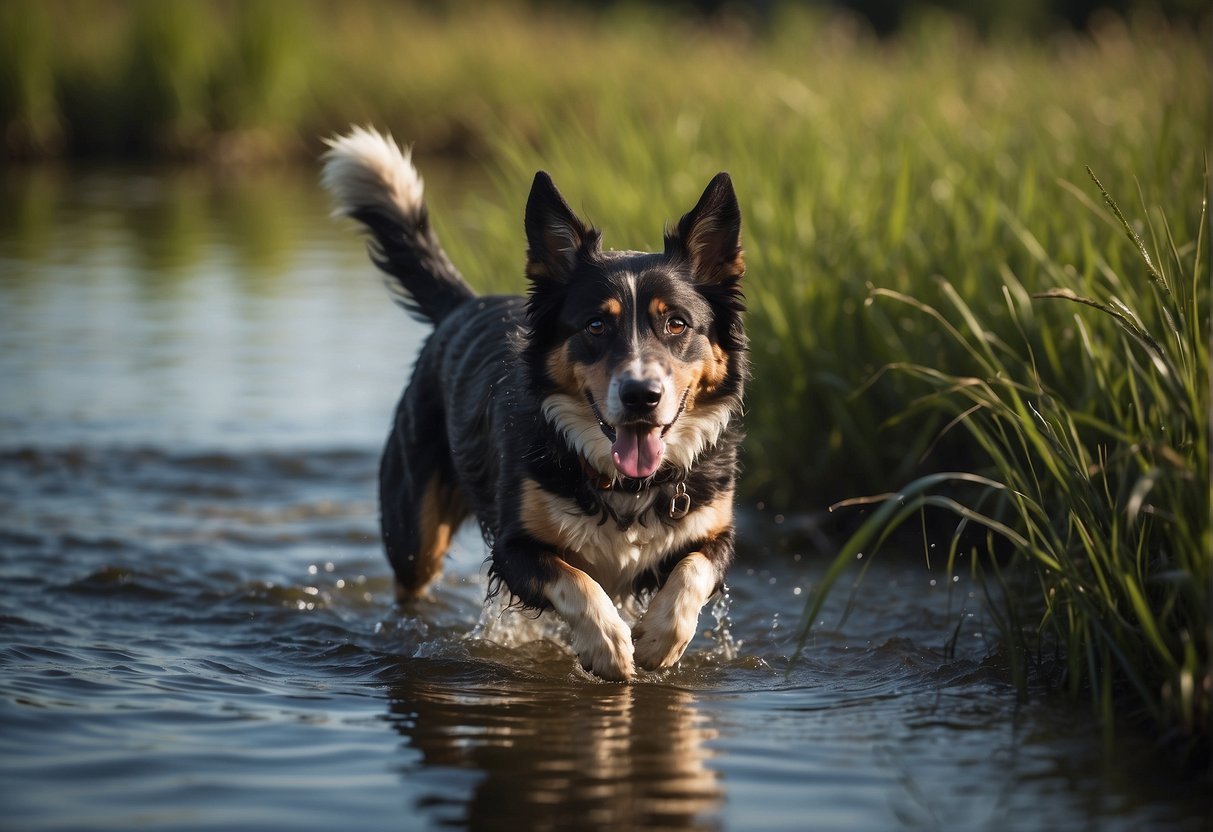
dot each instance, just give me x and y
(595, 326)
(675, 326)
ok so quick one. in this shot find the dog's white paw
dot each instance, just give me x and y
(604, 647)
(602, 642)
(663, 634)
(669, 623)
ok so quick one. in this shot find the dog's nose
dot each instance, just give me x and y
(640, 395)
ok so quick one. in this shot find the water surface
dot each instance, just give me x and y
(198, 627)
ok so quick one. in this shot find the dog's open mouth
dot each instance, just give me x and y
(636, 447)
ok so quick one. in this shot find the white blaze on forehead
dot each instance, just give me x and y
(636, 367)
(629, 282)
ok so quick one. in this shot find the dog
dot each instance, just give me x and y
(592, 427)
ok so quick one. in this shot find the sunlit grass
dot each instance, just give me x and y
(1101, 495)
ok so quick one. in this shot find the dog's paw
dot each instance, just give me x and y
(669, 623)
(602, 642)
(662, 637)
(604, 648)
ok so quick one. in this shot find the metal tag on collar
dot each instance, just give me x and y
(680, 503)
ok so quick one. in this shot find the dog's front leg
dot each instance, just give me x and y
(540, 579)
(669, 623)
(601, 640)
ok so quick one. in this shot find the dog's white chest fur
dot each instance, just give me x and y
(615, 556)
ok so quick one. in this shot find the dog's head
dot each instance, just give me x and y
(638, 359)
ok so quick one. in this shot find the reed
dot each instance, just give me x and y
(1101, 495)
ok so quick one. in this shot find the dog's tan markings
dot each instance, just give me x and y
(540, 515)
(601, 640)
(687, 376)
(714, 518)
(715, 371)
(439, 514)
(574, 379)
(612, 307)
(658, 308)
(560, 370)
(702, 377)
(670, 622)
(596, 379)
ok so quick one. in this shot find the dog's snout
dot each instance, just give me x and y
(640, 395)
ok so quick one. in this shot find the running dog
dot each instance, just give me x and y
(592, 427)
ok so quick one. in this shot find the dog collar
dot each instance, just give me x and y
(680, 500)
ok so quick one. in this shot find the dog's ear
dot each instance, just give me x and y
(555, 236)
(709, 235)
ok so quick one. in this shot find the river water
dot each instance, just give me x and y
(197, 621)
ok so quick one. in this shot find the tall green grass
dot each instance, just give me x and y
(1102, 500)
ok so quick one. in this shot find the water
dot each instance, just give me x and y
(198, 630)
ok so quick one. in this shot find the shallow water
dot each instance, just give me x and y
(198, 630)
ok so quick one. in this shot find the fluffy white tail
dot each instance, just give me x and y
(373, 181)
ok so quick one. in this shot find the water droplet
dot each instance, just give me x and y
(313, 569)
(795, 590)
(932, 582)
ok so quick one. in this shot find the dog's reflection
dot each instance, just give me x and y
(561, 756)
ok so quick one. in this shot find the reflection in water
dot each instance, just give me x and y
(560, 756)
(261, 222)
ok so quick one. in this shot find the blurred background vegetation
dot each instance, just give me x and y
(240, 79)
(919, 221)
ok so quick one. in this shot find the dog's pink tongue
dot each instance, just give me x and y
(637, 450)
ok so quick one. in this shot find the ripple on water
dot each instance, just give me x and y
(192, 629)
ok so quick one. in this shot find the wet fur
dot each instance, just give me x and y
(497, 422)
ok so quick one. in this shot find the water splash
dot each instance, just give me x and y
(725, 648)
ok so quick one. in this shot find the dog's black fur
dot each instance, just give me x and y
(591, 428)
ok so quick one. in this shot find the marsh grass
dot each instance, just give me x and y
(1101, 495)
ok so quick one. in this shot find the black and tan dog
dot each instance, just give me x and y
(591, 427)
